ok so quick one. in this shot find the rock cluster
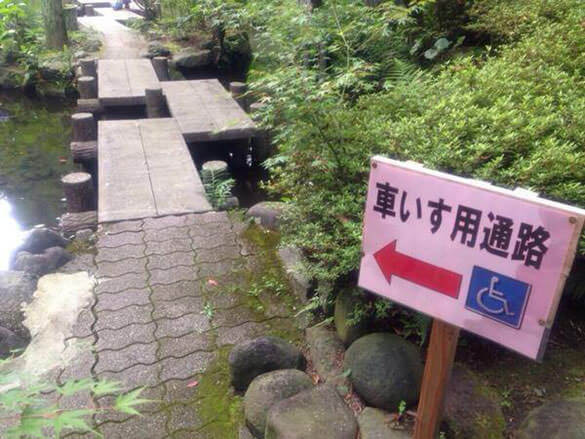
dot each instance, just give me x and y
(41, 253)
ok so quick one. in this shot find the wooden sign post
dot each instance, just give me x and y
(440, 357)
(472, 256)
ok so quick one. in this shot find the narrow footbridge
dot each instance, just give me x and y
(145, 168)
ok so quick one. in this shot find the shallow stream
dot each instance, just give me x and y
(34, 154)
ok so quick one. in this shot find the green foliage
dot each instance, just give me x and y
(512, 119)
(34, 409)
(218, 186)
(19, 29)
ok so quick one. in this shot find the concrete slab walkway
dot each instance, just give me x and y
(119, 41)
(170, 301)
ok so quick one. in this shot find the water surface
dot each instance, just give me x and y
(34, 154)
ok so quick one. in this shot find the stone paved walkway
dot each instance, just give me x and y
(171, 300)
(119, 41)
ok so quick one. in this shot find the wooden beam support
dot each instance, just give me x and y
(440, 358)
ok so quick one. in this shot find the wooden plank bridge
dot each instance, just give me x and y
(145, 168)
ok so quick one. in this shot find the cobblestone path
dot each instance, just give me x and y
(167, 307)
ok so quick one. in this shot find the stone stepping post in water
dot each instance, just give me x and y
(88, 67)
(70, 16)
(238, 91)
(84, 144)
(155, 103)
(87, 86)
(79, 193)
(161, 67)
(262, 141)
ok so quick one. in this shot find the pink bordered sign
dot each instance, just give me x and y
(489, 260)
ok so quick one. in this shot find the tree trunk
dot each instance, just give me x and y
(55, 31)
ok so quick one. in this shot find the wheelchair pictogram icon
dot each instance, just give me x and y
(497, 296)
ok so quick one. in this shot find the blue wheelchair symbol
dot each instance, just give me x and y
(498, 297)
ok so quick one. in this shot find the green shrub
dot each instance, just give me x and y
(513, 119)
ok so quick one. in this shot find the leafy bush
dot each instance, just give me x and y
(512, 119)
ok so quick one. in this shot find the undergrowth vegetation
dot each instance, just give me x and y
(491, 90)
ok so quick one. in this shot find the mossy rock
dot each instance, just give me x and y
(564, 419)
(347, 328)
(385, 370)
(472, 410)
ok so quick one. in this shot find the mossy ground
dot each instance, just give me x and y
(523, 384)
(266, 292)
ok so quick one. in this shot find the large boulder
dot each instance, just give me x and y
(472, 409)
(42, 238)
(267, 213)
(347, 328)
(376, 424)
(16, 287)
(268, 389)
(192, 59)
(263, 354)
(55, 69)
(317, 413)
(564, 419)
(384, 369)
(39, 265)
(156, 48)
(10, 343)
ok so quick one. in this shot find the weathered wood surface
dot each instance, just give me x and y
(74, 222)
(205, 111)
(122, 82)
(119, 41)
(145, 170)
(94, 3)
(440, 357)
(122, 15)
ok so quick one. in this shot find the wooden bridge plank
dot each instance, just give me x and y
(205, 111)
(145, 170)
(122, 82)
(124, 183)
(176, 185)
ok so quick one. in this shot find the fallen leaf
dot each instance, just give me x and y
(212, 282)
(193, 384)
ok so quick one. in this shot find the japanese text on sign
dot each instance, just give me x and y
(488, 260)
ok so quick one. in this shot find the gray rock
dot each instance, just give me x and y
(192, 59)
(268, 389)
(10, 342)
(376, 424)
(472, 408)
(267, 213)
(39, 265)
(230, 203)
(156, 48)
(56, 257)
(41, 239)
(36, 265)
(326, 351)
(345, 303)
(293, 263)
(317, 413)
(16, 287)
(86, 235)
(385, 370)
(244, 433)
(80, 54)
(55, 69)
(263, 354)
(564, 419)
